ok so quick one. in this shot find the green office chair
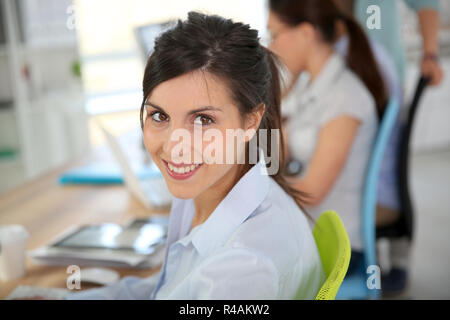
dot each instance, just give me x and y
(334, 249)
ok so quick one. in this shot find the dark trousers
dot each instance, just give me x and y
(356, 264)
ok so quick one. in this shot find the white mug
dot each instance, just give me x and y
(13, 244)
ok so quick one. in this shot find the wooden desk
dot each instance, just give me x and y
(46, 209)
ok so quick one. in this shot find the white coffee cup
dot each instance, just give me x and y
(13, 244)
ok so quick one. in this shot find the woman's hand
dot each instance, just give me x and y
(429, 29)
(431, 68)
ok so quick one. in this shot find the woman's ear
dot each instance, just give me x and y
(253, 119)
(305, 33)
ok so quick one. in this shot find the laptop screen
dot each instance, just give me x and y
(147, 34)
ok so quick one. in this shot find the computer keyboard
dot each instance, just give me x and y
(21, 292)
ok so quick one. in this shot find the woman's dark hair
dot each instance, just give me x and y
(232, 52)
(324, 15)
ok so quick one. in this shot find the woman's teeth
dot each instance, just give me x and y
(182, 170)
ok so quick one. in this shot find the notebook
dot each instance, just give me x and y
(105, 173)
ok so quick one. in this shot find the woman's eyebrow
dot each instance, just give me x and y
(207, 108)
(154, 106)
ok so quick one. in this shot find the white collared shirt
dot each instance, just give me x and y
(257, 244)
(335, 92)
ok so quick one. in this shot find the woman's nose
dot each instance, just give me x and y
(178, 143)
(184, 144)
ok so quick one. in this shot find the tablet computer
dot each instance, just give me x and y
(139, 237)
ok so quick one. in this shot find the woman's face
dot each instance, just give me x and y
(290, 43)
(180, 113)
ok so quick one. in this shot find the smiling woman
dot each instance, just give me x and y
(185, 112)
(228, 220)
(236, 86)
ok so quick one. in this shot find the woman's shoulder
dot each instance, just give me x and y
(281, 208)
(277, 223)
(350, 97)
(358, 92)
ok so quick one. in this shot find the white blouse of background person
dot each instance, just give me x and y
(336, 92)
(257, 244)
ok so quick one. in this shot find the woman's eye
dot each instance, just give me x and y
(203, 120)
(158, 116)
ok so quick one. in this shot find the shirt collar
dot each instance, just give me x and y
(243, 199)
(327, 76)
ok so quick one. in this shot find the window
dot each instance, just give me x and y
(112, 63)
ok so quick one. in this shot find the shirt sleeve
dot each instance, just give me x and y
(351, 99)
(236, 273)
(128, 288)
(418, 5)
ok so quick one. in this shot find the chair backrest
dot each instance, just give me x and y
(403, 161)
(334, 249)
(371, 183)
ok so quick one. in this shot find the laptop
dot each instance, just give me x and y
(153, 192)
(146, 35)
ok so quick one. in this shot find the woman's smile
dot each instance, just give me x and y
(181, 171)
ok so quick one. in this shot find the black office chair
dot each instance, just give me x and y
(404, 226)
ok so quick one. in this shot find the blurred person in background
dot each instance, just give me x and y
(389, 37)
(333, 121)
